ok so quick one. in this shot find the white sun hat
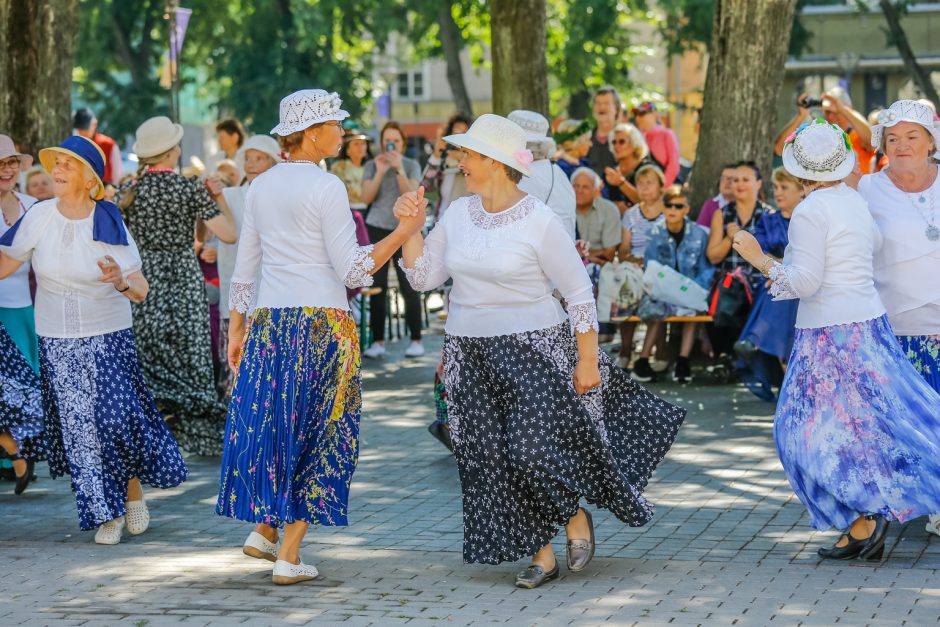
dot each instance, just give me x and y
(156, 136)
(302, 109)
(498, 138)
(262, 143)
(534, 124)
(819, 151)
(905, 111)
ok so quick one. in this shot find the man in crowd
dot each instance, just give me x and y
(85, 123)
(231, 135)
(606, 113)
(718, 202)
(598, 219)
(662, 141)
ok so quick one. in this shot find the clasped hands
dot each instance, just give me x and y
(411, 210)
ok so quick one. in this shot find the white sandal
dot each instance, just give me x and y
(138, 517)
(110, 532)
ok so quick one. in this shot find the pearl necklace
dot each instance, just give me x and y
(301, 161)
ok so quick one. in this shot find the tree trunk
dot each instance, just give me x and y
(451, 43)
(38, 40)
(520, 69)
(742, 86)
(899, 39)
(579, 105)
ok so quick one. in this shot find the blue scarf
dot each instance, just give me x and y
(108, 226)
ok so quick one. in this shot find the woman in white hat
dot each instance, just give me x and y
(856, 426)
(257, 155)
(101, 424)
(163, 208)
(904, 199)
(292, 437)
(539, 416)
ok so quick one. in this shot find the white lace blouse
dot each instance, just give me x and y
(70, 300)
(505, 267)
(298, 229)
(828, 262)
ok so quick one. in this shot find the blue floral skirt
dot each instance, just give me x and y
(923, 351)
(102, 426)
(857, 429)
(292, 436)
(20, 398)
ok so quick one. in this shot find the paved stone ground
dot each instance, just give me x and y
(730, 544)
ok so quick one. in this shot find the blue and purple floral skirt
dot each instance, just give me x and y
(857, 429)
(102, 426)
(20, 398)
(292, 436)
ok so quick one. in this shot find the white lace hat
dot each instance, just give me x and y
(534, 124)
(302, 109)
(819, 151)
(905, 111)
(498, 138)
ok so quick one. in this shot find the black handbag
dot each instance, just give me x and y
(731, 298)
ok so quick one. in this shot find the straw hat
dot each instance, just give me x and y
(84, 150)
(156, 136)
(905, 111)
(497, 138)
(8, 149)
(819, 151)
(302, 109)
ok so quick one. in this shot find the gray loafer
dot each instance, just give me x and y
(534, 576)
(581, 552)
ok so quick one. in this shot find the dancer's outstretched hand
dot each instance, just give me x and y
(587, 376)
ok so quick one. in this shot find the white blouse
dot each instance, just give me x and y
(907, 267)
(298, 229)
(828, 262)
(14, 290)
(235, 198)
(505, 267)
(548, 183)
(70, 299)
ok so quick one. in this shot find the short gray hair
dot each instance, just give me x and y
(589, 172)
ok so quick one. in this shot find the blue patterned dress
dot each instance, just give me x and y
(20, 399)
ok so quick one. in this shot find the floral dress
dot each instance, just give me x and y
(171, 326)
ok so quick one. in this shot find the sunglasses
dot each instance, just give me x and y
(620, 142)
(676, 205)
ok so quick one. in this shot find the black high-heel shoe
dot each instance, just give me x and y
(850, 551)
(875, 545)
(23, 480)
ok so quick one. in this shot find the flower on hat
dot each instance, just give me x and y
(524, 157)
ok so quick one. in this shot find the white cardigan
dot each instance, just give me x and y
(828, 262)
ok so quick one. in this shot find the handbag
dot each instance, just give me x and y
(731, 298)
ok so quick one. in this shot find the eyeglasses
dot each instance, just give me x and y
(620, 142)
(676, 205)
(13, 163)
(333, 123)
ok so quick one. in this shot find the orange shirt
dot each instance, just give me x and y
(863, 153)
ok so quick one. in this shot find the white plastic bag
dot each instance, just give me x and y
(665, 284)
(619, 290)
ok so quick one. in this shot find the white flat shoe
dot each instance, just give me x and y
(415, 349)
(933, 524)
(375, 351)
(286, 573)
(137, 517)
(259, 547)
(110, 532)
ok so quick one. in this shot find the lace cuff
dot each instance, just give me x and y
(583, 317)
(418, 276)
(240, 296)
(358, 274)
(780, 288)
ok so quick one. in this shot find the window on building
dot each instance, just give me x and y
(410, 85)
(403, 90)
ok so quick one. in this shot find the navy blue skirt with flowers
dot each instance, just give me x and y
(292, 437)
(20, 398)
(102, 426)
(857, 429)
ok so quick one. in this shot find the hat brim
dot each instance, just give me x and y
(465, 140)
(145, 152)
(25, 160)
(47, 159)
(790, 164)
(283, 130)
(877, 132)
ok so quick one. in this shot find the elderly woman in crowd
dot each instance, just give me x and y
(856, 426)
(162, 208)
(386, 177)
(904, 199)
(292, 438)
(16, 304)
(350, 167)
(546, 181)
(767, 338)
(39, 183)
(257, 155)
(632, 153)
(539, 416)
(441, 174)
(101, 424)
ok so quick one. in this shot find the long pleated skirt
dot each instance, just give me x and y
(528, 448)
(857, 428)
(292, 435)
(102, 426)
(20, 399)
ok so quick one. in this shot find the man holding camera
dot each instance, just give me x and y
(836, 105)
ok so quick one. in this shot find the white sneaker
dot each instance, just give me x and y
(415, 349)
(138, 517)
(110, 532)
(259, 547)
(623, 362)
(286, 573)
(933, 524)
(375, 351)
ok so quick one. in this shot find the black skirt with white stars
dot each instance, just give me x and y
(528, 448)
